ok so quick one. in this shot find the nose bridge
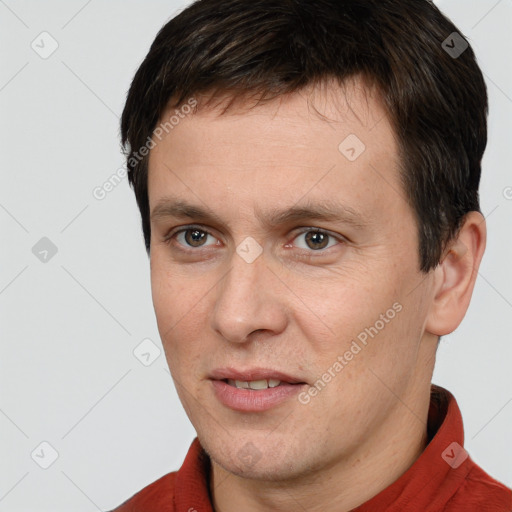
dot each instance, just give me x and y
(245, 301)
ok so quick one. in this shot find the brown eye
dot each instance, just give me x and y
(317, 240)
(195, 237)
(191, 237)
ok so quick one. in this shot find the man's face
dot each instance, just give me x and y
(341, 312)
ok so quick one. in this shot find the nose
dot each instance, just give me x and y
(249, 299)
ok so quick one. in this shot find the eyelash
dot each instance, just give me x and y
(306, 253)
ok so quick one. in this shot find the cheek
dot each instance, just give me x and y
(172, 300)
(177, 341)
(342, 305)
(164, 297)
(364, 316)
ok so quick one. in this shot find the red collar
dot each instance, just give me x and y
(439, 470)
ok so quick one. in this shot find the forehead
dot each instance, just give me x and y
(312, 110)
(325, 140)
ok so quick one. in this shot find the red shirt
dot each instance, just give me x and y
(443, 478)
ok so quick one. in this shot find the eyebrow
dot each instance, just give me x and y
(326, 210)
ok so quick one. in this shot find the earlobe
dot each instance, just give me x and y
(455, 276)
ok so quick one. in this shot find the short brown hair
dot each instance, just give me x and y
(436, 99)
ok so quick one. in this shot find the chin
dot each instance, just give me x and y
(254, 457)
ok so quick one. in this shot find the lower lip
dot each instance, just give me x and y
(249, 400)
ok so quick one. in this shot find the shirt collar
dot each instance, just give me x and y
(441, 468)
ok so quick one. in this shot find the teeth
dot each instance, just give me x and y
(258, 384)
(255, 384)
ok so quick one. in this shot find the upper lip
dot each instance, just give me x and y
(253, 374)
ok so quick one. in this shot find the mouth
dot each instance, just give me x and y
(254, 390)
(254, 378)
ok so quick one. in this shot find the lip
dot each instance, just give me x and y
(248, 400)
(253, 374)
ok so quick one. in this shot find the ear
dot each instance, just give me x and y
(455, 276)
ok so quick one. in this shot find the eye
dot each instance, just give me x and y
(317, 239)
(191, 236)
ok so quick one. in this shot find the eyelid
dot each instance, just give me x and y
(180, 229)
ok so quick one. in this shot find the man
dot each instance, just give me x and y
(307, 175)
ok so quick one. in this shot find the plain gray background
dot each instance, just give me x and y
(70, 323)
